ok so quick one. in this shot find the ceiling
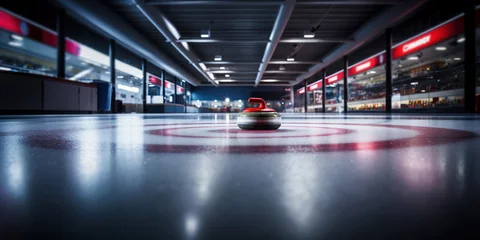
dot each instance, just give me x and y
(240, 31)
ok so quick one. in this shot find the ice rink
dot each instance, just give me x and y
(190, 176)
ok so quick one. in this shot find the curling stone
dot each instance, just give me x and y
(259, 118)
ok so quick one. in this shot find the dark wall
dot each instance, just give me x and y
(238, 93)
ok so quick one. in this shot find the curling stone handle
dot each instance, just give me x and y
(263, 105)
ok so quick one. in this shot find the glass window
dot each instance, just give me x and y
(299, 101)
(334, 93)
(155, 89)
(315, 97)
(366, 85)
(477, 47)
(181, 96)
(22, 51)
(428, 70)
(129, 83)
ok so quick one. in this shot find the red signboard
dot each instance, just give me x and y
(429, 38)
(335, 78)
(179, 90)
(367, 64)
(314, 86)
(154, 80)
(18, 26)
(301, 90)
(168, 84)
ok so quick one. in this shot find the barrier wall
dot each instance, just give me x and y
(22, 92)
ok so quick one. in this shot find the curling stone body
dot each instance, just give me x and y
(260, 118)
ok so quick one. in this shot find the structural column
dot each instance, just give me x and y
(345, 84)
(163, 87)
(305, 97)
(324, 90)
(174, 90)
(185, 97)
(61, 43)
(470, 55)
(388, 70)
(113, 106)
(144, 76)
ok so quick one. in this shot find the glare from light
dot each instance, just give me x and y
(240, 100)
(227, 80)
(227, 75)
(290, 59)
(120, 77)
(441, 48)
(414, 83)
(372, 72)
(269, 80)
(107, 72)
(128, 88)
(308, 35)
(413, 58)
(423, 90)
(223, 68)
(191, 225)
(215, 106)
(227, 100)
(16, 37)
(82, 74)
(202, 65)
(15, 43)
(457, 59)
(461, 40)
(188, 93)
(218, 58)
(215, 100)
(203, 35)
(5, 69)
(151, 85)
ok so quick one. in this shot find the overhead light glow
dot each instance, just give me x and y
(202, 65)
(423, 90)
(372, 72)
(5, 69)
(308, 34)
(128, 88)
(457, 59)
(227, 80)
(461, 40)
(205, 33)
(412, 58)
(414, 83)
(270, 80)
(227, 100)
(223, 68)
(441, 48)
(15, 43)
(120, 77)
(290, 59)
(227, 75)
(16, 37)
(218, 58)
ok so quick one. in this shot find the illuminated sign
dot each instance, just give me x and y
(363, 66)
(429, 38)
(179, 90)
(335, 78)
(301, 90)
(314, 85)
(155, 80)
(367, 64)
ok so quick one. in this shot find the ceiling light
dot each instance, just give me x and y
(423, 90)
(414, 83)
(270, 80)
(218, 58)
(441, 48)
(461, 40)
(372, 72)
(227, 75)
(205, 33)
(290, 59)
(202, 65)
(457, 59)
(226, 80)
(5, 69)
(15, 43)
(120, 77)
(223, 68)
(227, 99)
(183, 80)
(412, 58)
(16, 37)
(281, 68)
(308, 34)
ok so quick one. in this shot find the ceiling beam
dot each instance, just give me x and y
(247, 84)
(255, 63)
(272, 3)
(283, 16)
(315, 40)
(164, 26)
(370, 30)
(229, 63)
(294, 62)
(284, 72)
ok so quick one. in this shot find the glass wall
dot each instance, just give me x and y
(299, 100)
(315, 97)
(366, 85)
(181, 96)
(477, 47)
(334, 93)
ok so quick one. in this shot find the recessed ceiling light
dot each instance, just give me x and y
(412, 58)
(372, 72)
(308, 34)
(281, 68)
(227, 75)
(457, 59)
(16, 37)
(218, 58)
(15, 43)
(461, 40)
(223, 68)
(120, 77)
(441, 48)
(290, 59)
(205, 33)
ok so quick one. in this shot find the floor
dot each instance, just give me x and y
(200, 177)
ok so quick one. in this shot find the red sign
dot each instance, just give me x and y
(441, 33)
(367, 64)
(301, 90)
(18, 26)
(335, 78)
(168, 84)
(155, 80)
(314, 86)
(179, 90)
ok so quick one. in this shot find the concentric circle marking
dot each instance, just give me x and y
(239, 133)
(423, 136)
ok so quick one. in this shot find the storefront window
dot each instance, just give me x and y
(155, 89)
(334, 93)
(299, 100)
(181, 96)
(428, 70)
(366, 85)
(129, 83)
(22, 51)
(315, 97)
(169, 91)
(477, 47)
